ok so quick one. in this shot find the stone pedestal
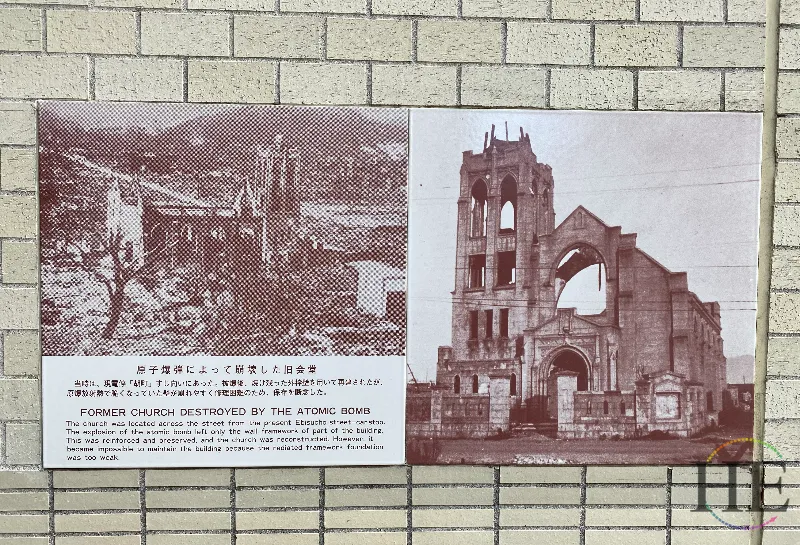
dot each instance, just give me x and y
(499, 404)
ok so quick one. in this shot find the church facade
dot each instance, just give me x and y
(651, 360)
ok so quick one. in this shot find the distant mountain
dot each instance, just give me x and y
(227, 140)
(741, 369)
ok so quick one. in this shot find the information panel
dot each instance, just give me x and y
(128, 411)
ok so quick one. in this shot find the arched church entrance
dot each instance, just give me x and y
(566, 359)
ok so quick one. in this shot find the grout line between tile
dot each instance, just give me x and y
(668, 536)
(582, 540)
(409, 503)
(496, 501)
(322, 506)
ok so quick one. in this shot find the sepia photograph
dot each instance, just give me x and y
(181, 230)
(582, 286)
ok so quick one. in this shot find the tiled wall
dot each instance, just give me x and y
(576, 54)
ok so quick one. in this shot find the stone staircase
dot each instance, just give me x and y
(545, 429)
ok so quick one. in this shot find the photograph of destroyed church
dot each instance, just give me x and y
(582, 286)
(177, 229)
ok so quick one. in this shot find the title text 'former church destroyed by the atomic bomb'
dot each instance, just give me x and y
(651, 360)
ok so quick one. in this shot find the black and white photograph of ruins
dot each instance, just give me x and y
(176, 229)
(582, 286)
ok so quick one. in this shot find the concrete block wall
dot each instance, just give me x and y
(684, 55)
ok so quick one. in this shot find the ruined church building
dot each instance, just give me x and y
(652, 360)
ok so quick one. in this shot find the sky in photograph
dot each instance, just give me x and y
(687, 184)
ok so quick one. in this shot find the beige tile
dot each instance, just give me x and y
(550, 537)
(713, 475)
(543, 475)
(744, 91)
(627, 516)
(194, 539)
(287, 520)
(18, 397)
(453, 538)
(366, 518)
(19, 213)
(365, 475)
(456, 518)
(190, 477)
(540, 495)
(193, 521)
(231, 81)
(21, 353)
(23, 444)
(692, 517)
(684, 495)
(190, 34)
(172, 499)
(413, 85)
(277, 477)
(117, 522)
(23, 479)
(616, 10)
(40, 76)
(277, 498)
(626, 537)
(98, 540)
(773, 536)
(17, 123)
(23, 501)
(86, 501)
(626, 496)
(458, 41)
(369, 39)
(277, 37)
(549, 43)
(20, 262)
(333, 83)
(452, 475)
(278, 539)
(453, 496)
(366, 538)
(23, 524)
(24, 540)
(374, 497)
(115, 478)
(18, 169)
(626, 474)
(722, 536)
(503, 86)
(510, 517)
(784, 476)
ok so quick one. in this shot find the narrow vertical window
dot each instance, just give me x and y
(506, 268)
(504, 322)
(709, 401)
(622, 408)
(508, 205)
(473, 324)
(474, 384)
(489, 316)
(478, 210)
(513, 385)
(605, 407)
(457, 384)
(477, 271)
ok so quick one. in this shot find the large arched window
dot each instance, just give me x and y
(581, 281)
(478, 210)
(457, 384)
(474, 384)
(508, 205)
